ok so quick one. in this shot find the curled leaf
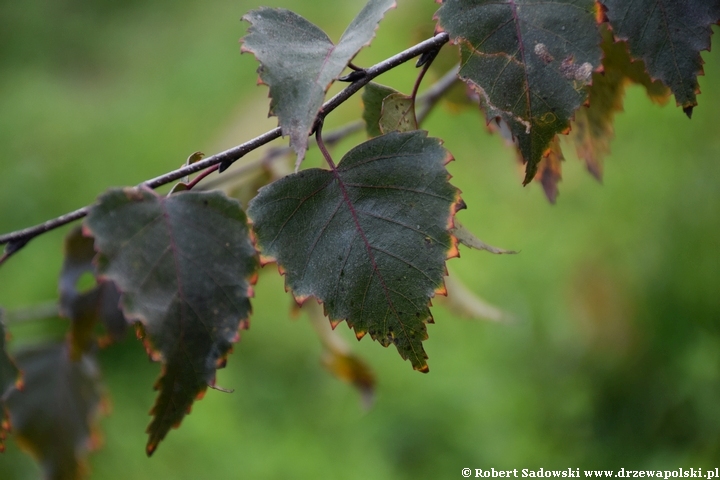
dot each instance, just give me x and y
(177, 188)
(192, 158)
(467, 238)
(463, 302)
(372, 97)
(299, 62)
(550, 170)
(593, 124)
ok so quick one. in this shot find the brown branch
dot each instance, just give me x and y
(18, 239)
(427, 100)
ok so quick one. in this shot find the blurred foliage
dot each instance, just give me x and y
(613, 360)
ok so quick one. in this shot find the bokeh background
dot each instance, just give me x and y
(613, 359)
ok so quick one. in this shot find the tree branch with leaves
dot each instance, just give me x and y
(368, 236)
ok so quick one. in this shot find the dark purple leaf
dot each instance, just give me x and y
(9, 377)
(299, 62)
(86, 309)
(529, 61)
(184, 265)
(54, 413)
(370, 239)
(668, 35)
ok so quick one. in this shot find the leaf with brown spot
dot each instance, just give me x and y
(592, 128)
(529, 61)
(549, 171)
(372, 97)
(398, 114)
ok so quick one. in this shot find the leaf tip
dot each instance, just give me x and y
(300, 150)
(300, 299)
(600, 12)
(150, 448)
(265, 260)
(529, 175)
(689, 110)
(224, 165)
(244, 324)
(453, 251)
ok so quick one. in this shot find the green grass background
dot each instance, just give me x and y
(613, 361)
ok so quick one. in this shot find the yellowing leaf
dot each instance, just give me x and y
(467, 238)
(337, 357)
(398, 114)
(461, 301)
(593, 125)
(372, 97)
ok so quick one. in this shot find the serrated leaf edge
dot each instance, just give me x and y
(452, 252)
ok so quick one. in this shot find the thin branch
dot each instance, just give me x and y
(231, 155)
(427, 100)
(432, 43)
(416, 87)
(277, 153)
(202, 175)
(323, 148)
(432, 95)
(25, 235)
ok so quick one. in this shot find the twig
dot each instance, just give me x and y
(204, 174)
(427, 100)
(231, 155)
(276, 153)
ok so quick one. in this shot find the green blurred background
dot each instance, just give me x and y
(613, 359)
